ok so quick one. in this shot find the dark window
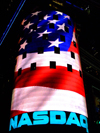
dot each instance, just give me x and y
(52, 64)
(45, 36)
(58, 117)
(40, 16)
(51, 25)
(33, 66)
(29, 39)
(66, 29)
(19, 71)
(69, 67)
(55, 17)
(24, 55)
(26, 22)
(40, 50)
(57, 50)
(35, 27)
(69, 22)
(72, 55)
(62, 38)
(74, 43)
(80, 73)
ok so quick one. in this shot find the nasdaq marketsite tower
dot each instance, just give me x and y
(48, 94)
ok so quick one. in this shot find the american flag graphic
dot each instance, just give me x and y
(48, 73)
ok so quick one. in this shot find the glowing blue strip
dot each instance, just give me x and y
(77, 7)
(12, 21)
(68, 2)
(74, 5)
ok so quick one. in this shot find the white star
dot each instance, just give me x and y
(41, 34)
(23, 45)
(61, 27)
(46, 17)
(28, 25)
(59, 12)
(36, 13)
(53, 21)
(67, 17)
(55, 43)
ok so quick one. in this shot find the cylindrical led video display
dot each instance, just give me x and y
(49, 94)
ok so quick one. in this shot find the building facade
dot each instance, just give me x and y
(49, 89)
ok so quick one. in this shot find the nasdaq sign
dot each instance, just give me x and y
(42, 118)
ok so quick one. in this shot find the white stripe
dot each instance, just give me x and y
(74, 38)
(44, 59)
(36, 98)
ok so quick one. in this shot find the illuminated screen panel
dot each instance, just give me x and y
(49, 91)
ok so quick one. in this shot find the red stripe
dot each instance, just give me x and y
(59, 78)
(16, 112)
(74, 30)
(73, 48)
